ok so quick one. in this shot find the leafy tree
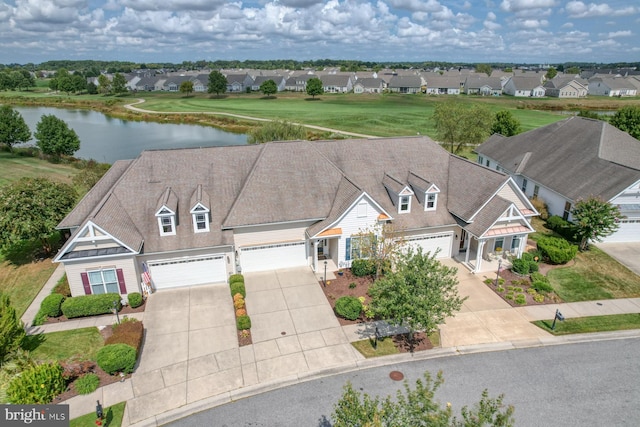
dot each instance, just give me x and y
(417, 407)
(55, 138)
(314, 87)
(457, 125)
(92, 89)
(79, 83)
(104, 84)
(420, 293)
(574, 71)
(186, 87)
(594, 219)
(217, 82)
(627, 119)
(90, 174)
(31, 208)
(11, 328)
(13, 128)
(551, 73)
(276, 130)
(118, 84)
(484, 68)
(505, 124)
(268, 87)
(386, 243)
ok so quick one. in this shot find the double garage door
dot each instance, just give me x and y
(272, 257)
(628, 231)
(431, 243)
(177, 272)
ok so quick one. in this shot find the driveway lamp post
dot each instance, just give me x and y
(498, 272)
(325, 274)
(559, 317)
(115, 311)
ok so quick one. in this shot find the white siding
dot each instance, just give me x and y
(352, 224)
(73, 270)
(508, 193)
(268, 234)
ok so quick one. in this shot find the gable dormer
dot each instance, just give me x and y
(200, 212)
(400, 193)
(167, 212)
(426, 192)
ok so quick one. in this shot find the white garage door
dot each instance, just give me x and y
(173, 273)
(629, 231)
(433, 242)
(272, 257)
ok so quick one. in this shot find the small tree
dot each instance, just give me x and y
(13, 128)
(505, 124)
(268, 87)
(417, 407)
(627, 119)
(217, 83)
(458, 126)
(104, 84)
(594, 219)
(186, 87)
(277, 130)
(386, 243)
(314, 87)
(420, 293)
(55, 138)
(11, 328)
(551, 73)
(118, 84)
(484, 68)
(31, 208)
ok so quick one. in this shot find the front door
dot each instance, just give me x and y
(463, 239)
(323, 249)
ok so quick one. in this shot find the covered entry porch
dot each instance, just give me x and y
(489, 253)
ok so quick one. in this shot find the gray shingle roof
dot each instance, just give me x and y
(576, 157)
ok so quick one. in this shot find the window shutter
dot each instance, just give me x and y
(347, 256)
(85, 283)
(121, 284)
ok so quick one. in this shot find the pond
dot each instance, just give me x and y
(107, 139)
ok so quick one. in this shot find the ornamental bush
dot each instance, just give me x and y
(115, 358)
(238, 288)
(128, 332)
(348, 307)
(520, 266)
(135, 299)
(236, 278)
(90, 305)
(557, 250)
(363, 267)
(50, 305)
(243, 322)
(87, 383)
(239, 303)
(37, 385)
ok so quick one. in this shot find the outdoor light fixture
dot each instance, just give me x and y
(325, 274)
(498, 272)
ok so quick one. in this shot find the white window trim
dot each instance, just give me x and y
(362, 210)
(408, 209)
(195, 222)
(104, 282)
(172, 232)
(426, 201)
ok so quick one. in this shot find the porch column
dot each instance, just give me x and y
(479, 255)
(315, 255)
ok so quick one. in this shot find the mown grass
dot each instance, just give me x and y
(112, 417)
(23, 282)
(385, 347)
(592, 276)
(580, 325)
(14, 167)
(57, 346)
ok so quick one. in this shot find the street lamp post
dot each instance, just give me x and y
(325, 274)
(498, 272)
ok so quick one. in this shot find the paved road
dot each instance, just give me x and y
(586, 384)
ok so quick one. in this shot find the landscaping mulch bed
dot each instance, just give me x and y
(244, 337)
(339, 287)
(512, 279)
(123, 312)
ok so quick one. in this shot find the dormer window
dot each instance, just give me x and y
(166, 222)
(432, 200)
(404, 204)
(200, 216)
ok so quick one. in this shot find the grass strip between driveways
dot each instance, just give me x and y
(57, 346)
(581, 325)
(112, 417)
(385, 347)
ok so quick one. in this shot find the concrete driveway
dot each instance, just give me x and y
(627, 254)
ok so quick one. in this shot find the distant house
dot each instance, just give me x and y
(441, 85)
(298, 83)
(485, 86)
(238, 82)
(570, 160)
(405, 84)
(611, 86)
(368, 85)
(566, 87)
(529, 86)
(278, 80)
(337, 83)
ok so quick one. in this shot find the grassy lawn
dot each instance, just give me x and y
(385, 347)
(112, 417)
(23, 282)
(58, 346)
(579, 325)
(594, 275)
(14, 167)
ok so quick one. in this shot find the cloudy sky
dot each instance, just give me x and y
(530, 31)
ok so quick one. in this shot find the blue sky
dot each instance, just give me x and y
(529, 31)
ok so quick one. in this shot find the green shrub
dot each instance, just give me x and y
(509, 296)
(520, 266)
(533, 266)
(37, 385)
(90, 305)
(532, 291)
(538, 277)
(557, 250)
(499, 289)
(50, 305)
(526, 256)
(135, 299)
(62, 287)
(542, 286)
(128, 332)
(87, 383)
(520, 299)
(115, 358)
(538, 298)
(363, 267)
(348, 307)
(243, 322)
(556, 222)
(238, 288)
(352, 285)
(236, 278)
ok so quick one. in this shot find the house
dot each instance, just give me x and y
(570, 160)
(278, 80)
(405, 84)
(482, 85)
(441, 85)
(238, 82)
(337, 83)
(566, 87)
(611, 86)
(194, 216)
(529, 85)
(368, 85)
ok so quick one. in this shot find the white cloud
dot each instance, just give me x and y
(522, 5)
(417, 5)
(578, 9)
(625, 33)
